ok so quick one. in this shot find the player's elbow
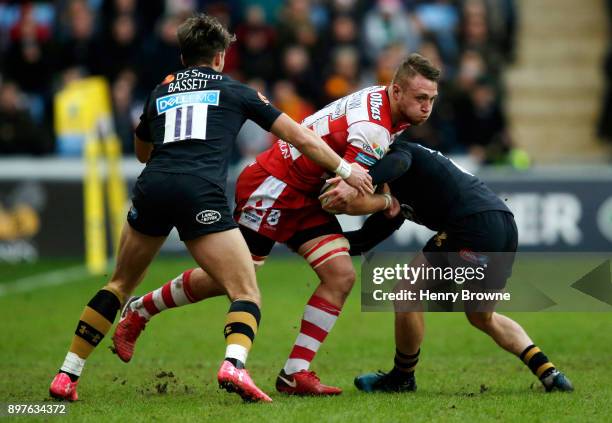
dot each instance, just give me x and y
(142, 150)
(400, 166)
(142, 158)
(290, 131)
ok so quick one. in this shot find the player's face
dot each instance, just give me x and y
(416, 98)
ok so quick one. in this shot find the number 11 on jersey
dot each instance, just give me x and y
(186, 122)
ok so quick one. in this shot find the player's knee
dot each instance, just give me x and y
(347, 279)
(340, 279)
(482, 321)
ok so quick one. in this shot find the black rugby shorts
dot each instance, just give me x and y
(161, 201)
(486, 239)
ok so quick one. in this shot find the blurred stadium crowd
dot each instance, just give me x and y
(301, 54)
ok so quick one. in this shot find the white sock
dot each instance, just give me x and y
(237, 352)
(73, 364)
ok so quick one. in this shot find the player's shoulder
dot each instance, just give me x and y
(235, 85)
(403, 143)
(242, 93)
(370, 104)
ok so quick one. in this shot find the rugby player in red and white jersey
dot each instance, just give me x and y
(277, 201)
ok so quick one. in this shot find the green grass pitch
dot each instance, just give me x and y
(462, 375)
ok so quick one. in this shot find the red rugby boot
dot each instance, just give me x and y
(238, 380)
(63, 388)
(305, 383)
(127, 332)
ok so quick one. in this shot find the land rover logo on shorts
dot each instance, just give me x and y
(206, 217)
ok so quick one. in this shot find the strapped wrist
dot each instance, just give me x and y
(344, 169)
(388, 200)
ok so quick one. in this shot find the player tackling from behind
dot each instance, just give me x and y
(185, 136)
(277, 201)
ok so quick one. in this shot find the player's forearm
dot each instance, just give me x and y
(366, 204)
(375, 229)
(317, 150)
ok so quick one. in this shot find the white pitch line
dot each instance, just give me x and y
(57, 277)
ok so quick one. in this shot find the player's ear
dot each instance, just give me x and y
(219, 61)
(396, 91)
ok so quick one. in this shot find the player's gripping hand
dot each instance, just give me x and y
(360, 179)
(337, 196)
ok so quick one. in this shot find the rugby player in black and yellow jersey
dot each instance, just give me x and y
(472, 225)
(185, 136)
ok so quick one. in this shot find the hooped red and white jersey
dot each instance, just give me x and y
(358, 127)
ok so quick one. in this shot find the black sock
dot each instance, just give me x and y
(537, 361)
(404, 364)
